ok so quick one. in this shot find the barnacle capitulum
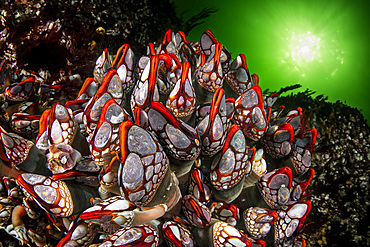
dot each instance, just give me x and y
(258, 221)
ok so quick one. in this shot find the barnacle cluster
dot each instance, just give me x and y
(340, 194)
(123, 153)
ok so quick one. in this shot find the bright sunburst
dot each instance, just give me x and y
(303, 48)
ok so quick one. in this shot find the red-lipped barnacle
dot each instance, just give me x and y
(144, 164)
(277, 140)
(302, 150)
(250, 114)
(177, 235)
(227, 235)
(230, 165)
(93, 110)
(60, 198)
(238, 76)
(196, 212)
(146, 90)
(259, 168)
(209, 75)
(182, 99)
(25, 123)
(295, 118)
(290, 221)
(275, 187)
(168, 44)
(207, 45)
(53, 196)
(77, 107)
(124, 64)
(184, 48)
(62, 126)
(105, 139)
(212, 130)
(42, 142)
(137, 236)
(258, 221)
(20, 91)
(300, 184)
(111, 87)
(197, 186)
(102, 66)
(88, 89)
(13, 148)
(79, 234)
(227, 212)
(178, 139)
(169, 72)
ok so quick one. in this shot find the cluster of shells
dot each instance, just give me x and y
(161, 149)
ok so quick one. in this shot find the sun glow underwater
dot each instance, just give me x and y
(317, 44)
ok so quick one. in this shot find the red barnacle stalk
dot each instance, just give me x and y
(258, 221)
(275, 187)
(250, 114)
(182, 99)
(212, 130)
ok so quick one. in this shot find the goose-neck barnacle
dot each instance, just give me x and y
(145, 123)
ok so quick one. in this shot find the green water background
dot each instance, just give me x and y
(334, 63)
